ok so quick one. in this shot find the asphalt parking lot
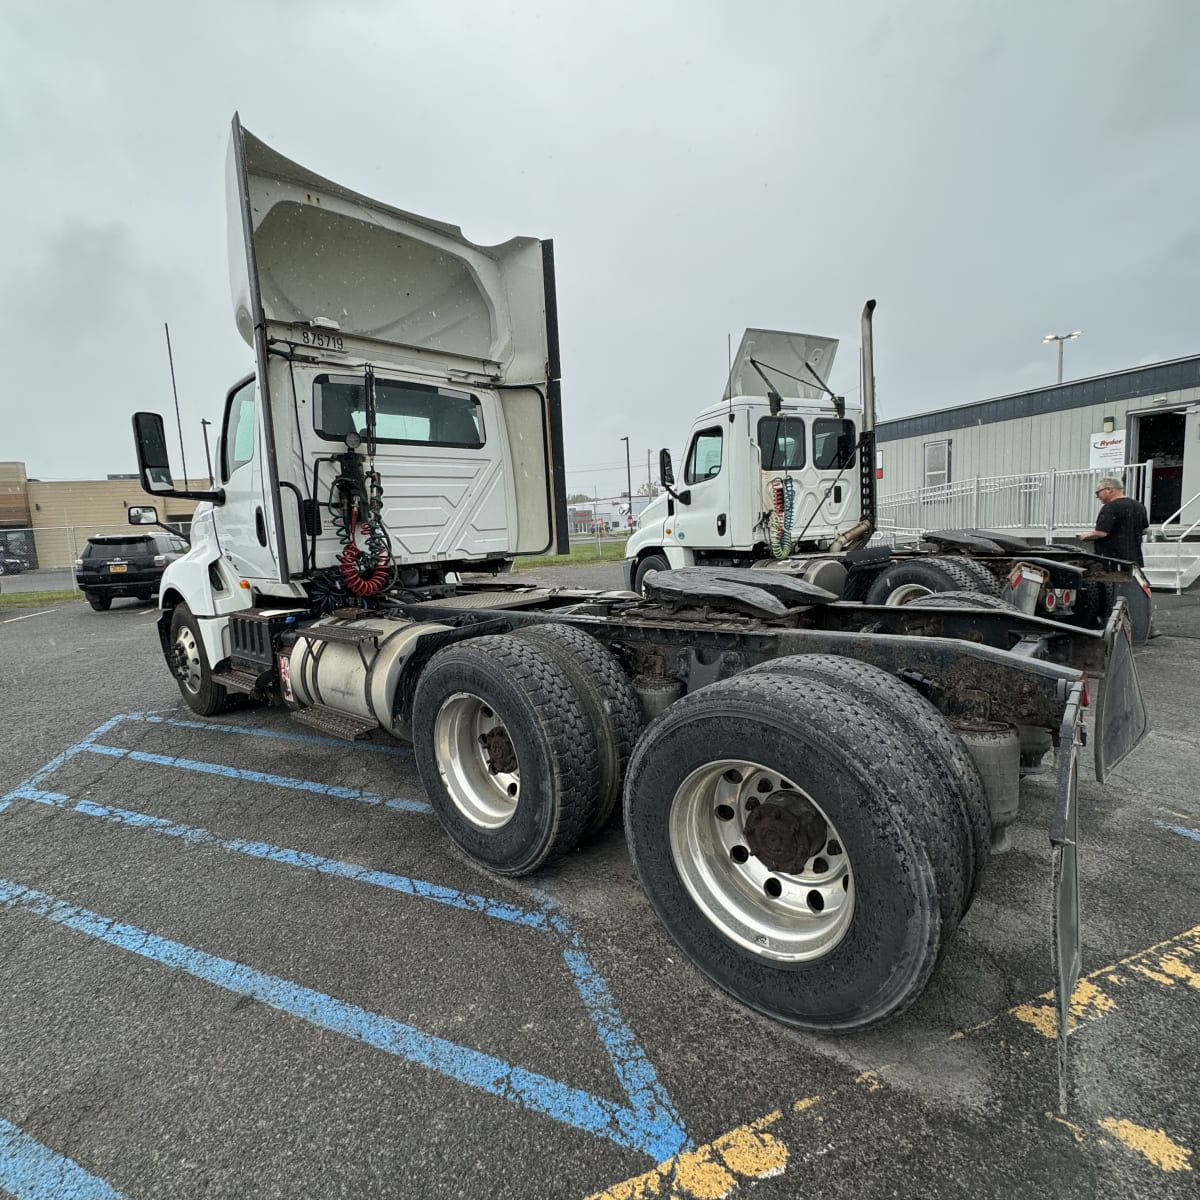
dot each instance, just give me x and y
(242, 960)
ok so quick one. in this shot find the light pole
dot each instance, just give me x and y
(1060, 338)
(628, 482)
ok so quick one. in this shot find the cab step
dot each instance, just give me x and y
(337, 724)
(236, 680)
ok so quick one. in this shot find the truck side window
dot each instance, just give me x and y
(833, 444)
(704, 458)
(237, 438)
(781, 443)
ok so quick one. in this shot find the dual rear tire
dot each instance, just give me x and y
(809, 842)
(810, 832)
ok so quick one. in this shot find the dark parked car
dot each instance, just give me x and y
(125, 564)
(10, 565)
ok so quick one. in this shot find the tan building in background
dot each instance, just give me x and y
(48, 523)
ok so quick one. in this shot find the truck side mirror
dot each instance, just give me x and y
(666, 473)
(143, 514)
(154, 466)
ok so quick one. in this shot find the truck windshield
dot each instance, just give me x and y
(404, 412)
(781, 443)
(833, 444)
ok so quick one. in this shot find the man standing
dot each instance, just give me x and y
(1119, 524)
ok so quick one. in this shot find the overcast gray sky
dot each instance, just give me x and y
(989, 171)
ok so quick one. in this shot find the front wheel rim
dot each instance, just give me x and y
(477, 762)
(189, 669)
(779, 885)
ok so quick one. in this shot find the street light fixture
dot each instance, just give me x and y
(1060, 338)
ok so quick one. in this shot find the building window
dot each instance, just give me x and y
(937, 463)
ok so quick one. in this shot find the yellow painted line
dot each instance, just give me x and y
(1152, 1144)
(749, 1152)
(711, 1172)
(1177, 960)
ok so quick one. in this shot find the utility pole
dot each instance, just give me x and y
(649, 479)
(628, 482)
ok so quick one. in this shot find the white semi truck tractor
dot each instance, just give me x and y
(810, 789)
(780, 474)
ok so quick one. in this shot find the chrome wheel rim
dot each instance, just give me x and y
(780, 884)
(189, 670)
(906, 593)
(477, 762)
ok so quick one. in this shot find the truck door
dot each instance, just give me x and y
(704, 523)
(242, 521)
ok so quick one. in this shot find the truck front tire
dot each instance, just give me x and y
(191, 668)
(759, 903)
(506, 752)
(652, 562)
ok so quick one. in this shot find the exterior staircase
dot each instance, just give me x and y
(1172, 562)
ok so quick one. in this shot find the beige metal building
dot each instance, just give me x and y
(47, 523)
(1148, 414)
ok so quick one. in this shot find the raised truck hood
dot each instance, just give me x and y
(325, 267)
(786, 351)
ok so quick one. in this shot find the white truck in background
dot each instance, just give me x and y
(780, 474)
(810, 789)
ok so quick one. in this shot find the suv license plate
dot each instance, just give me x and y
(117, 568)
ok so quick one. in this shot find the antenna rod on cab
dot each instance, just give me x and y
(175, 390)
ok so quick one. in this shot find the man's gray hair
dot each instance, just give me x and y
(1109, 482)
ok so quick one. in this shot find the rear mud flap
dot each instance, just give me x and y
(1121, 720)
(1064, 829)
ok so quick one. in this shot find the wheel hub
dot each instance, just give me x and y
(502, 758)
(784, 832)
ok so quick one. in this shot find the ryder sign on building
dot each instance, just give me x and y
(1107, 450)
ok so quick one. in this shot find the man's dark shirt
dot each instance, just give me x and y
(1124, 521)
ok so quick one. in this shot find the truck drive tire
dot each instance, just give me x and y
(191, 667)
(930, 735)
(780, 842)
(506, 751)
(909, 579)
(956, 599)
(652, 562)
(611, 703)
(99, 603)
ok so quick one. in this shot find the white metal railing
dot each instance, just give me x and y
(1045, 502)
(1179, 538)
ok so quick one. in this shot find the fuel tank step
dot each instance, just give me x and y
(337, 724)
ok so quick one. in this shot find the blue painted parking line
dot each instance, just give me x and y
(196, 836)
(31, 1171)
(651, 1116)
(282, 735)
(1183, 830)
(625, 1126)
(279, 781)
